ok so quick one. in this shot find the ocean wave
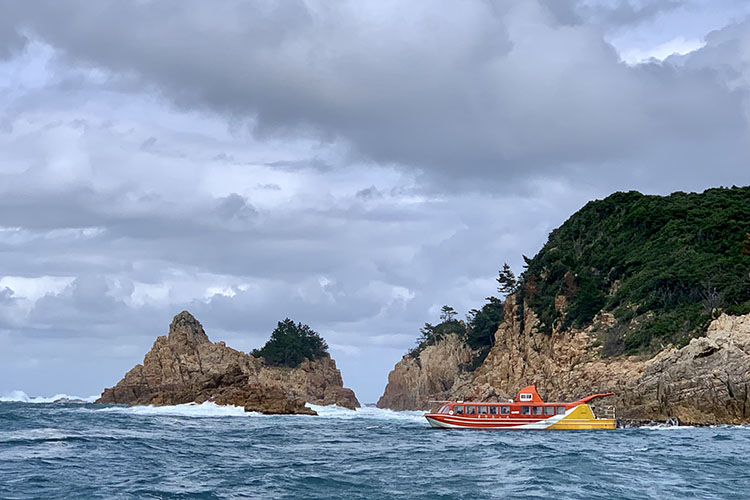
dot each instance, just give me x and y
(368, 412)
(210, 409)
(665, 427)
(40, 434)
(207, 409)
(22, 397)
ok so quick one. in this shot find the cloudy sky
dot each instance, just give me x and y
(351, 165)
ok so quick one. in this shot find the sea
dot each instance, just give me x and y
(81, 450)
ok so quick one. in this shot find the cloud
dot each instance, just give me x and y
(478, 90)
(676, 46)
(625, 13)
(354, 168)
(11, 40)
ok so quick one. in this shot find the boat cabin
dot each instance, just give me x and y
(527, 402)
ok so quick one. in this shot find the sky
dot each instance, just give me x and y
(350, 165)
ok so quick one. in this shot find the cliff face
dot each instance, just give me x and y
(706, 382)
(186, 366)
(415, 381)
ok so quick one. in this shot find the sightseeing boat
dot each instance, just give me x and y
(526, 412)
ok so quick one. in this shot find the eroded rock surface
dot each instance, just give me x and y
(431, 376)
(185, 366)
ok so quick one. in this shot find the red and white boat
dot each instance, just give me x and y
(527, 412)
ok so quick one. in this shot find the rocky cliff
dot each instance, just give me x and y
(705, 382)
(185, 366)
(430, 376)
(645, 296)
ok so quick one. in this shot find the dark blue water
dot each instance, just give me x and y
(92, 451)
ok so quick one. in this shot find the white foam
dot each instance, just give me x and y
(207, 409)
(40, 434)
(22, 397)
(665, 427)
(368, 412)
(210, 409)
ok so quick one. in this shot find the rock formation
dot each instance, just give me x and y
(186, 366)
(417, 380)
(705, 382)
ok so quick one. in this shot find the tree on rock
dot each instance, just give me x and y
(507, 282)
(447, 313)
(290, 344)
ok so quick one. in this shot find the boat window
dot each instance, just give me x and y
(549, 410)
(560, 410)
(525, 396)
(504, 410)
(471, 410)
(482, 410)
(493, 410)
(458, 410)
(537, 410)
(525, 410)
(444, 409)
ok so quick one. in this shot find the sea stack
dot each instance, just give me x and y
(185, 366)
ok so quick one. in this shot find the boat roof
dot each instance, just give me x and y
(529, 395)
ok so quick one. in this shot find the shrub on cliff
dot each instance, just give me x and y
(430, 334)
(481, 328)
(478, 331)
(291, 343)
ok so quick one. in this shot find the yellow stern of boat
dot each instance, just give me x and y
(581, 417)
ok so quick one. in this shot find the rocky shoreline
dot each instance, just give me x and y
(707, 382)
(185, 366)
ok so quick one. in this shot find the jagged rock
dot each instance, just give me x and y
(706, 382)
(185, 366)
(431, 376)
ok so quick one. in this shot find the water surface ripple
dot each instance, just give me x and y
(94, 451)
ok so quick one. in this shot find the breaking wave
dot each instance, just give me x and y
(22, 397)
(665, 427)
(366, 412)
(207, 409)
(210, 409)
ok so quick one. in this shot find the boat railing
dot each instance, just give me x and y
(604, 411)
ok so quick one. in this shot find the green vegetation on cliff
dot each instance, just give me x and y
(290, 344)
(661, 265)
(478, 331)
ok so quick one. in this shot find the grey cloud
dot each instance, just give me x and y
(624, 13)
(87, 297)
(235, 207)
(369, 193)
(445, 142)
(484, 92)
(11, 39)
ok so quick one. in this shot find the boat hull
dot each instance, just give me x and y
(578, 418)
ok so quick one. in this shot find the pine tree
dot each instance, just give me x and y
(507, 280)
(447, 313)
